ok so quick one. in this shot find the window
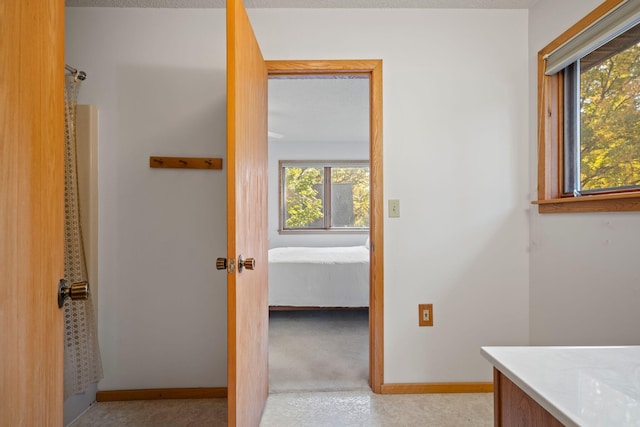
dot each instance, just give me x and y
(321, 196)
(589, 114)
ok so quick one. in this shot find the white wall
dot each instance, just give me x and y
(585, 279)
(455, 154)
(157, 78)
(285, 150)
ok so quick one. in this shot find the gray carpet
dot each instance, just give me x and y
(318, 350)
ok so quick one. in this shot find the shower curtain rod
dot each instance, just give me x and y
(81, 75)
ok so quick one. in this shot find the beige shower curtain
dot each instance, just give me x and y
(82, 364)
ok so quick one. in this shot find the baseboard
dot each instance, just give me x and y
(424, 388)
(161, 393)
(310, 308)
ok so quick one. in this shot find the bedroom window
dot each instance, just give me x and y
(589, 114)
(324, 196)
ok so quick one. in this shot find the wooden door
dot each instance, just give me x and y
(246, 220)
(31, 211)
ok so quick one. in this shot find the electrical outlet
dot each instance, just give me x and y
(425, 314)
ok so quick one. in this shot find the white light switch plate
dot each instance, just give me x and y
(394, 208)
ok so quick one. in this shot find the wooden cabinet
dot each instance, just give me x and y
(514, 407)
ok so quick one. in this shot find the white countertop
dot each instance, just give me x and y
(580, 386)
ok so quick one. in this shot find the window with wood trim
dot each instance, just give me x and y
(589, 114)
(324, 196)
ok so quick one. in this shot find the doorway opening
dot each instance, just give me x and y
(349, 232)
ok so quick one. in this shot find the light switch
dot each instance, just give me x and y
(394, 208)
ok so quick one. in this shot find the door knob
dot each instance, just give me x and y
(77, 291)
(249, 263)
(221, 264)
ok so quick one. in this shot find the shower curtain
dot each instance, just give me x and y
(82, 363)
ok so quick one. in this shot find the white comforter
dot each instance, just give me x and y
(319, 277)
(333, 255)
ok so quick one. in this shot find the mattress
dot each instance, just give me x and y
(319, 277)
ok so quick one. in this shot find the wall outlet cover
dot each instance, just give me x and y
(425, 314)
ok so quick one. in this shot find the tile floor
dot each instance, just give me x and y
(364, 408)
(291, 404)
(156, 413)
(335, 409)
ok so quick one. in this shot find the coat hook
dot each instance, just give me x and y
(185, 162)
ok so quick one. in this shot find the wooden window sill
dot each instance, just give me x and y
(621, 202)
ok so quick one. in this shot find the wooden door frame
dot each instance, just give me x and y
(373, 70)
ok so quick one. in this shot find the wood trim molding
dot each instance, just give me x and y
(376, 269)
(372, 69)
(550, 132)
(497, 398)
(428, 388)
(162, 393)
(619, 202)
(316, 67)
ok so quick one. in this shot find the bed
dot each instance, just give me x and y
(319, 277)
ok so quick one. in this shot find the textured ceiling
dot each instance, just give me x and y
(319, 109)
(442, 4)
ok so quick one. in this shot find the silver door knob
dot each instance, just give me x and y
(77, 292)
(249, 263)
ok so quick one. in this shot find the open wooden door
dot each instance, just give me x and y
(246, 221)
(31, 211)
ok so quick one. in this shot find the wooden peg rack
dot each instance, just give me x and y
(185, 162)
